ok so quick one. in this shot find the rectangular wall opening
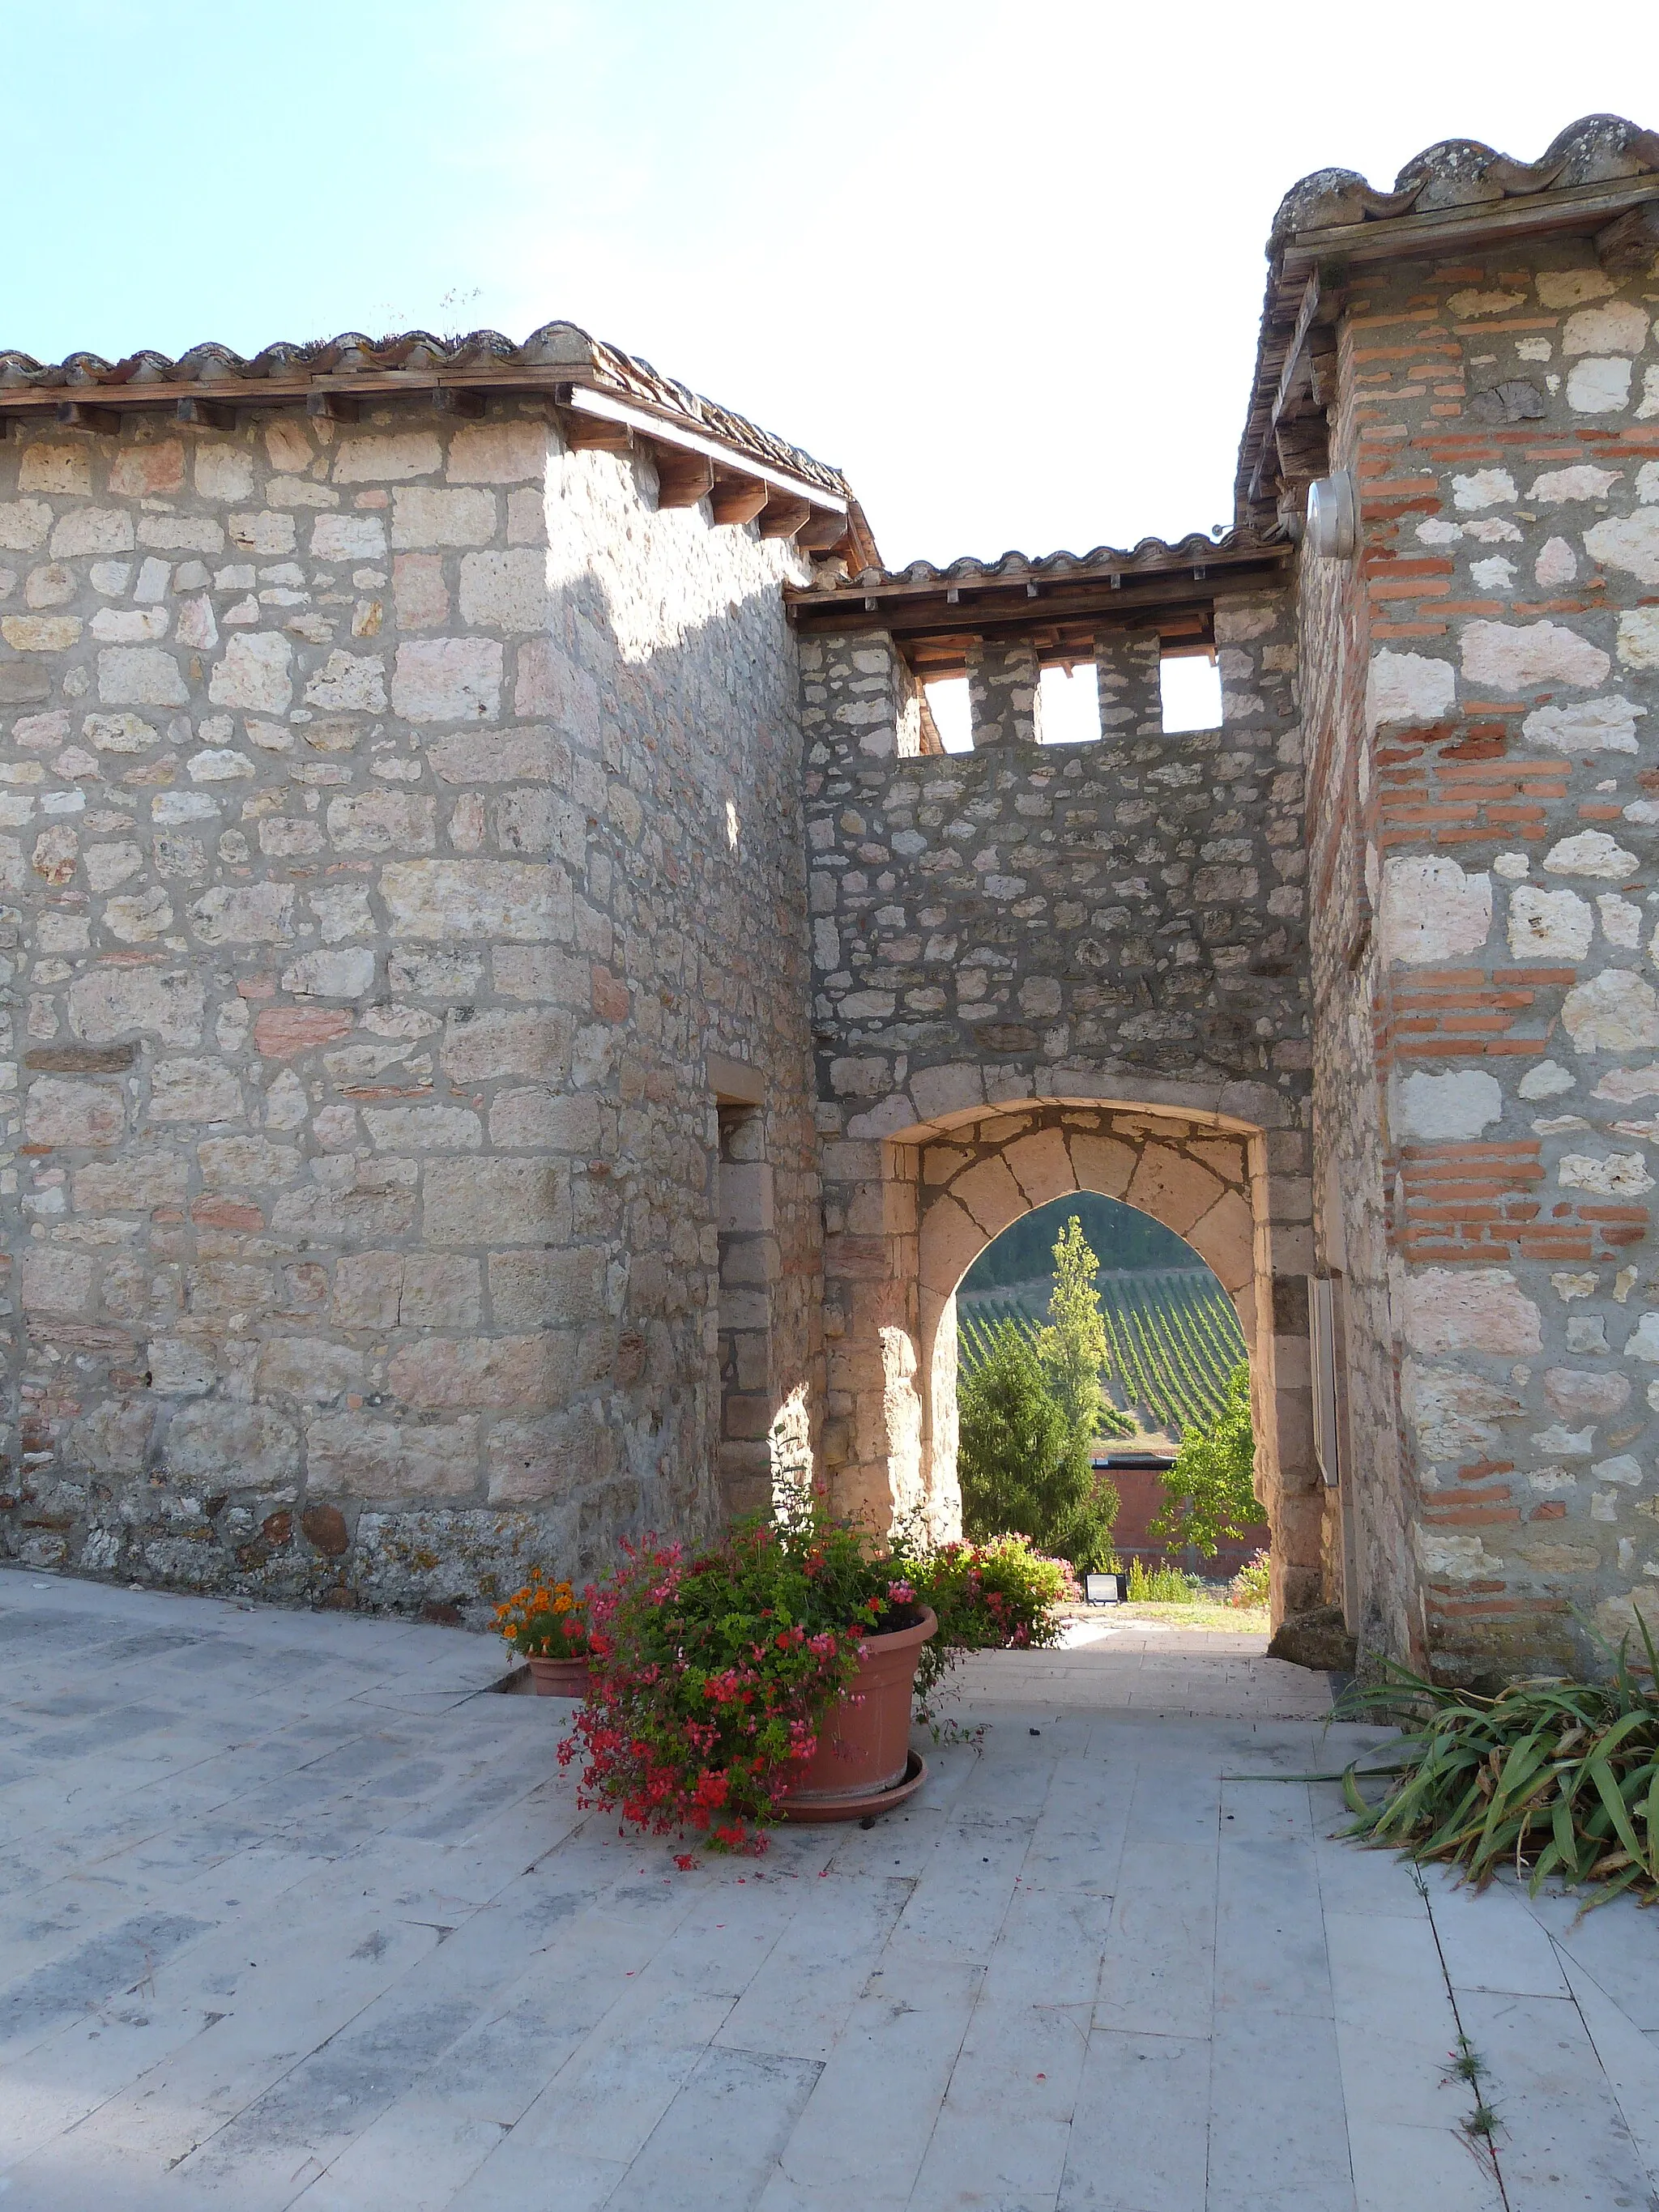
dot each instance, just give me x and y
(948, 699)
(1191, 685)
(1070, 704)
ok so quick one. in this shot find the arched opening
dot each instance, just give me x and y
(910, 1204)
(1173, 1344)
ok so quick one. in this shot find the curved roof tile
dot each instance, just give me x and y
(556, 345)
(1464, 173)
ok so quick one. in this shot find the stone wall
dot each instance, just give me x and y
(1486, 746)
(1119, 922)
(394, 817)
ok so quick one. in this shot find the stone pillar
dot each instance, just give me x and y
(1127, 663)
(748, 1272)
(1004, 697)
(858, 697)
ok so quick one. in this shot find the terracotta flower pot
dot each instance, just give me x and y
(559, 1678)
(864, 1740)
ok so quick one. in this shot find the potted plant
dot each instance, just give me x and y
(546, 1623)
(772, 1676)
(768, 1677)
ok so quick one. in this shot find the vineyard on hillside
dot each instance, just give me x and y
(1173, 1336)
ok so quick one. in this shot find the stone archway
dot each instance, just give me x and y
(947, 1187)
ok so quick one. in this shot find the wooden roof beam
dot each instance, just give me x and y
(737, 499)
(783, 517)
(683, 479)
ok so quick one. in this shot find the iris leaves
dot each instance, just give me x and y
(1549, 1776)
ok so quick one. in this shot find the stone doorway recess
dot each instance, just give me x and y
(948, 1186)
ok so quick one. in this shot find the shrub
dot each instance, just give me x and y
(1208, 1493)
(1160, 1586)
(999, 1595)
(1250, 1585)
(545, 1620)
(1561, 1777)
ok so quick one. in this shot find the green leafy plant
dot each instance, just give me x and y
(999, 1595)
(1251, 1586)
(1160, 1586)
(1208, 1493)
(1556, 1778)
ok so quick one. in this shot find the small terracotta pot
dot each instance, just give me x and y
(559, 1678)
(864, 1740)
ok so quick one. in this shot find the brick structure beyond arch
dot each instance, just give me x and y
(950, 1186)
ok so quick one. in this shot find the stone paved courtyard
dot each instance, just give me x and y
(295, 1912)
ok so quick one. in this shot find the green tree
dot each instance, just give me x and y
(1073, 1348)
(1208, 1493)
(1029, 1417)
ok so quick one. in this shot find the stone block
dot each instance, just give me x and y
(553, 687)
(355, 1456)
(1041, 1165)
(348, 683)
(498, 454)
(140, 676)
(545, 1121)
(367, 1289)
(424, 1128)
(1224, 1238)
(346, 972)
(505, 590)
(61, 1112)
(478, 1047)
(57, 1282)
(479, 1373)
(224, 1446)
(989, 1191)
(548, 1289)
(137, 1183)
(348, 538)
(474, 756)
(951, 1240)
(1476, 1309)
(492, 1201)
(420, 594)
(448, 679)
(1431, 910)
(245, 1163)
(382, 822)
(281, 1032)
(65, 469)
(111, 1439)
(1101, 1163)
(109, 1002)
(427, 518)
(195, 1090)
(478, 899)
(251, 914)
(1175, 1189)
(387, 457)
(311, 1369)
(138, 471)
(253, 676)
(441, 1291)
(562, 1456)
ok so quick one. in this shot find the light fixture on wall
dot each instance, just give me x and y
(1332, 530)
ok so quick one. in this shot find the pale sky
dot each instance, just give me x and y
(1000, 263)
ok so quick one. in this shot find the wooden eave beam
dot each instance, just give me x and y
(783, 517)
(582, 400)
(1412, 237)
(912, 609)
(737, 499)
(683, 479)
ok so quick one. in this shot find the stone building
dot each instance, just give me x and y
(521, 1027)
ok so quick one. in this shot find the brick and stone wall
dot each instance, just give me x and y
(1114, 925)
(1483, 732)
(394, 817)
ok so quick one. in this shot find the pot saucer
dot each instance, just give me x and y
(813, 1811)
